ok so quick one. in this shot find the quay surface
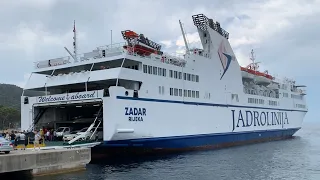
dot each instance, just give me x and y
(45, 161)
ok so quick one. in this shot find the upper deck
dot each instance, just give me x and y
(103, 63)
(103, 54)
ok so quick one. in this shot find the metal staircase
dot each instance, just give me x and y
(37, 119)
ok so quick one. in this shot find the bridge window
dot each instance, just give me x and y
(170, 73)
(175, 91)
(184, 76)
(180, 75)
(161, 90)
(175, 74)
(180, 92)
(159, 71)
(300, 106)
(171, 91)
(294, 96)
(145, 69)
(149, 69)
(235, 96)
(273, 103)
(188, 77)
(197, 94)
(155, 70)
(255, 101)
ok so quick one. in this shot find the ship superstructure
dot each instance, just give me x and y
(147, 98)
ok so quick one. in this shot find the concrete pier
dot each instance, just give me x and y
(45, 161)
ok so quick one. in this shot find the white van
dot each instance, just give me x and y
(61, 131)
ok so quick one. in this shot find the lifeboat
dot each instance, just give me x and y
(259, 77)
(139, 44)
(245, 74)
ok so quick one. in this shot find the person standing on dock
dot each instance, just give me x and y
(23, 140)
(37, 138)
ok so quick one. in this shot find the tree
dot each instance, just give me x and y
(9, 116)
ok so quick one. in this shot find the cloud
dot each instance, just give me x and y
(275, 29)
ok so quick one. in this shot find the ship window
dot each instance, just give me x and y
(193, 78)
(160, 92)
(197, 94)
(175, 91)
(155, 70)
(193, 94)
(296, 96)
(209, 95)
(170, 73)
(235, 96)
(171, 91)
(180, 92)
(175, 74)
(189, 93)
(184, 76)
(149, 69)
(197, 78)
(273, 103)
(285, 94)
(164, 72)
(180, 75)
(160, 71)
(162, 89)
(145, 68)
(188, 77)
(300, 106)
(185, 93)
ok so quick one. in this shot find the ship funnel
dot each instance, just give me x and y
(202, 22)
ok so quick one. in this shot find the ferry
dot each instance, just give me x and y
(147, 100)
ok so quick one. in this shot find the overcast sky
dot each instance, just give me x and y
(283, 33)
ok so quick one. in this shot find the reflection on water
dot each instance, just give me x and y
(296, 158)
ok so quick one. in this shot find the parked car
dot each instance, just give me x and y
(68, 137)
(5, 146)
(61, 131)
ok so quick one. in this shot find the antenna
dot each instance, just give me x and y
(74, 42)
(111, 36)
(252, 56)
(255, 65)
(184, 38)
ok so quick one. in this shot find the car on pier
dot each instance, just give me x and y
(5, 146)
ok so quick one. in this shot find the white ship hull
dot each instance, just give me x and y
(175, 124)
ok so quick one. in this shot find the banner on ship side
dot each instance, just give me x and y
(70, 96)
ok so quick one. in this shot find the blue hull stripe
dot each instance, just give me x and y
(202, 104)
(192, 141)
